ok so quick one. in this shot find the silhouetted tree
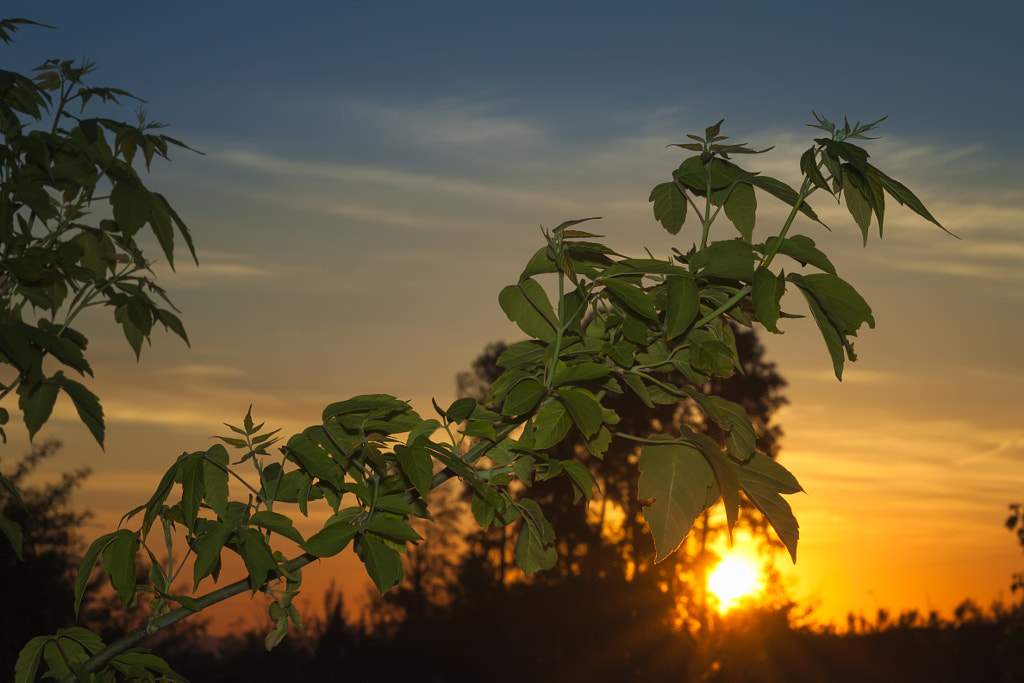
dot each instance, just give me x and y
(39, 589)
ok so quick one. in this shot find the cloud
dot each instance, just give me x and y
(369, 175)
(464, 121)
(216, 266)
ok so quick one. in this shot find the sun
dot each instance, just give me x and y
(736, 576)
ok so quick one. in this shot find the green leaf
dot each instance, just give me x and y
(131, 205)
(551, 425)
(422, 431)
(539, 264)
(762, 480)
(86, 404)
(857, 203)
(36, 403)
(733, 420)
(583, 408)
(682, 305)
(725, 477)
(394, 528)
(766, 295)
(156, 501)
(809, 167)
(838, 310)
(330, 540)
(523, 466)
(278, 523)
(215, 479)
(801, 249)
(119, 563)
(669, 207)
(66, 345)
(418, 467)
(785, 193)
(741, 209)
(192, 492)
(397, 503)
(366, 403)
(580, 372)
(28, 659)
(902, 194)
(583, 480)
(535, 546)
(314, 459)
(731, 259)
(258, 557)
(632, 297)
(527, 305)
(461, 409)
(483, 506)
(132, 662)
(135, 323)
(383, 563)
(207, 549)
(682, 485)
(598, 445)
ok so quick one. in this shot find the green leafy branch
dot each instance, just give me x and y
(659, 329)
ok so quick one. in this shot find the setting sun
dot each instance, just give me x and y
(736, 576)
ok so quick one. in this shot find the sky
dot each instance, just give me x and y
(372, 174)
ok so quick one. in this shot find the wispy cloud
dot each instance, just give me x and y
(369, 175)
(464, 121)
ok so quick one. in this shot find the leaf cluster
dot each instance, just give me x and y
(599, 325)
(72, 205)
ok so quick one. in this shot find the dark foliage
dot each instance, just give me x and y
(39, 591)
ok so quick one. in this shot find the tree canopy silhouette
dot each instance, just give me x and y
(41, 585)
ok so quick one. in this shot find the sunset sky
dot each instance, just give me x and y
(374, 173)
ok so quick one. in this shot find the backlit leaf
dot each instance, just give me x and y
(732, 259)
(394, 528)
(258, 557)
(330, 540)
(207, 549)
(762, 480)
(682, 305)
(131, 205)
(276, 522)
(551, 425)
(784, 192)
(535, 546)
(766, 295)
(527, 305)
(119, 563)
(383, 563)
(215, 479)
(633, 297)
(838, 310)
(36, 403)
(418, 467)
(681, 483)
(523, 397)
(741, 209)
(857, 203)
(669, 207)
(802, 249)
(583, 408)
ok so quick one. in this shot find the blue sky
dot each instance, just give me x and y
(374, 174)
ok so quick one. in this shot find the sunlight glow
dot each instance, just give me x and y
(736, 577)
